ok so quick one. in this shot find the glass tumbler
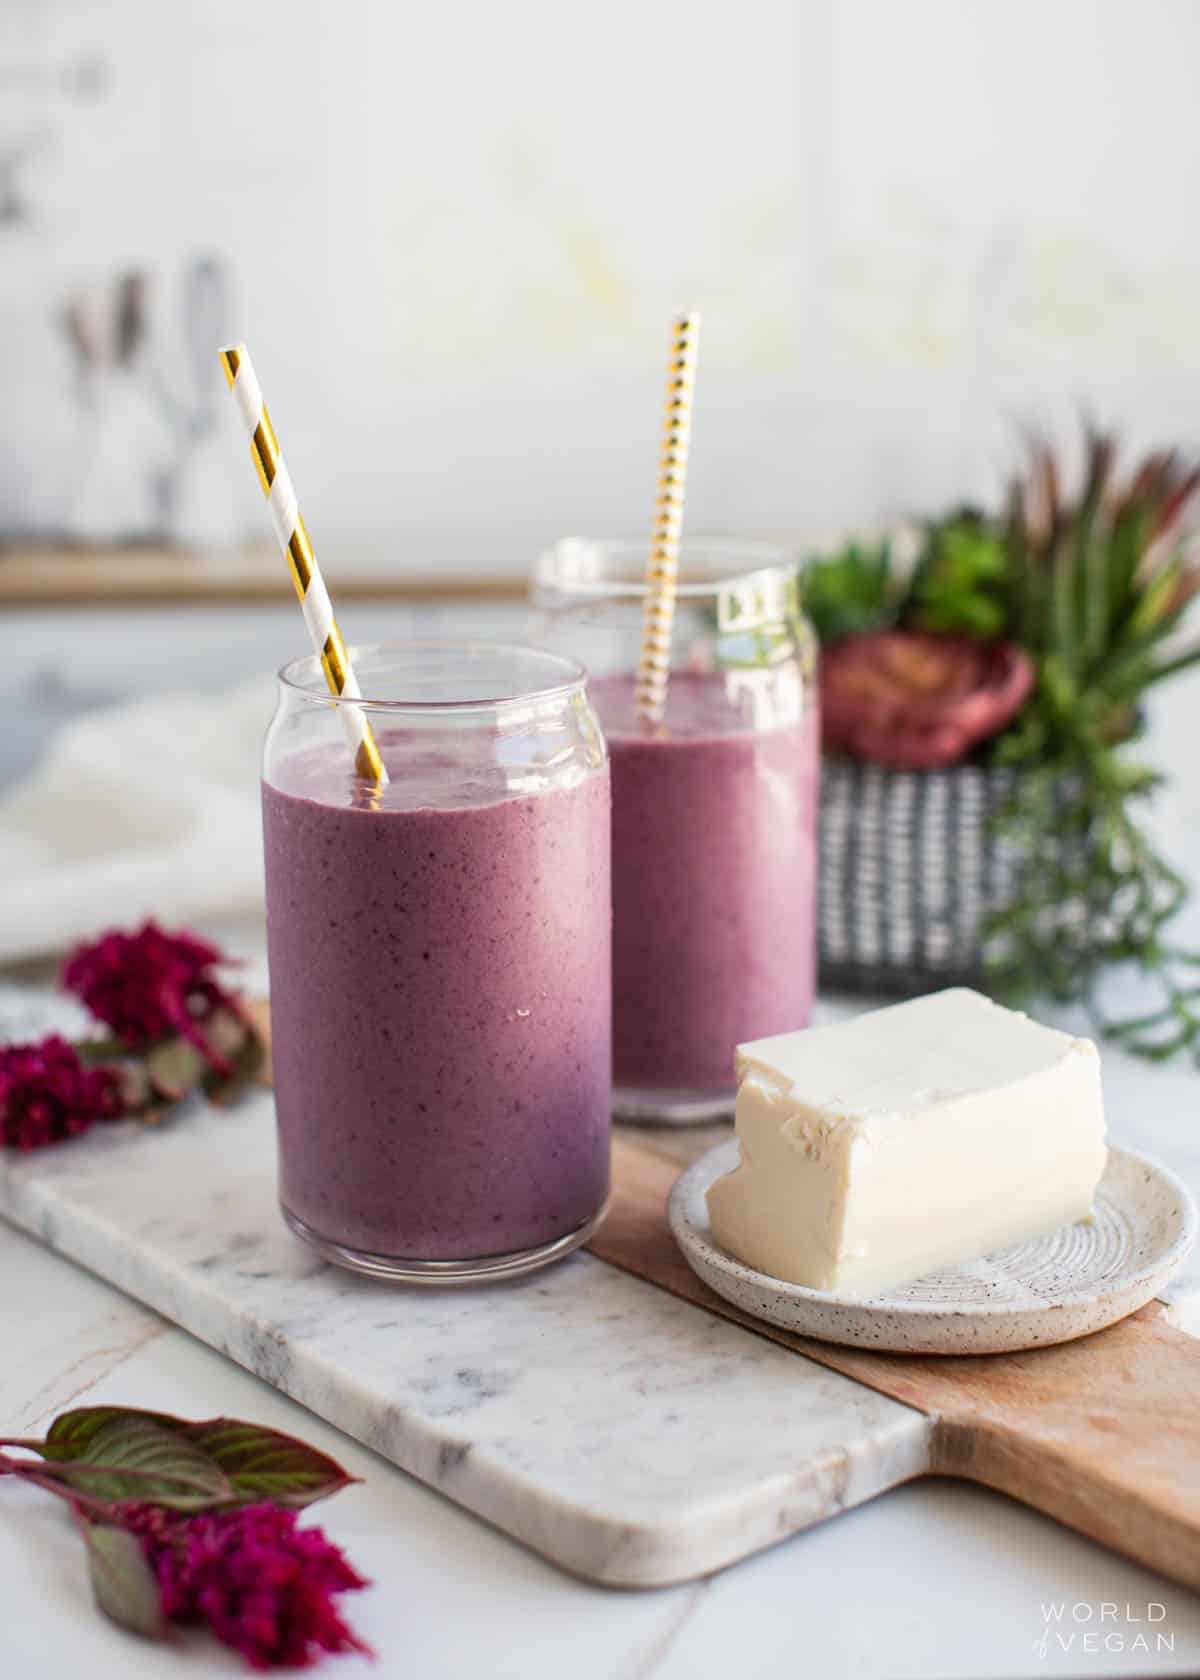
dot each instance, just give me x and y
(439, 952)
(714, 810)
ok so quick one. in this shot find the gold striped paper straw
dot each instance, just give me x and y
(306, 575)
(662, 564)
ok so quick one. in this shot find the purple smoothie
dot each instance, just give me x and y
(440, 990)
(714, 882)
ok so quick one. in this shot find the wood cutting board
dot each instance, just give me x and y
(1102, 1434)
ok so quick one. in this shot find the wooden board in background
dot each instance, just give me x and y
(49, 577)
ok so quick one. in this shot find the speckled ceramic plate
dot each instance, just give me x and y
(1077, 1280)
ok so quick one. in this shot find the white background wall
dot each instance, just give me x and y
(455, 230)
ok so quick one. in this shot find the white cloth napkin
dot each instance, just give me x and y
(150, 808)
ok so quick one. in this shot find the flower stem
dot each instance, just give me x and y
(34, 1474)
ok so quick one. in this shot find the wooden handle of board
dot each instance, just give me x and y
(1102, 1434)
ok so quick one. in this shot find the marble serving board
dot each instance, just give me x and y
(631, 1437)
(603, 1411)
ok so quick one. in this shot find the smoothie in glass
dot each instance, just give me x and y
(440, 968)
(714, 882)
(714, 809)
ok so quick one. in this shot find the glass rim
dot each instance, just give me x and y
(305, 677)
(748, 556)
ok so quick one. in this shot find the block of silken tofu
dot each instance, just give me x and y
(909, 1139)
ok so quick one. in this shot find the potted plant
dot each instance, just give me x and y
(983, 808)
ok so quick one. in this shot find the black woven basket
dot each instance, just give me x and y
(909, 871)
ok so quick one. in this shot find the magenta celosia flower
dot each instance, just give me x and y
(46, 1094)
(264, 1586)
(147, 984)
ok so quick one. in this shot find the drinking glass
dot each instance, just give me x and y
(714, 809)
(440, 965)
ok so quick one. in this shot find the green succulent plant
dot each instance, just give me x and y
(1095, 587)
(853, 590)
(1096, 590)
(959, 582)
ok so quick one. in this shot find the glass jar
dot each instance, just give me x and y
(439, 951)
(714, 810)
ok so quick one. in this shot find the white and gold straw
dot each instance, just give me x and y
(662, 564)
(306, 575)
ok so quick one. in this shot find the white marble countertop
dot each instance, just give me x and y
(935, 1580)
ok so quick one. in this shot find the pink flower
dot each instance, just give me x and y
(147, 984)
(46, 1094)
(264, 1586)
